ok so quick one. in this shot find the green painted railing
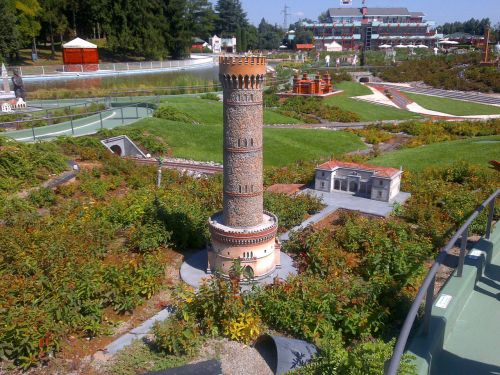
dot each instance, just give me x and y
(427, 288)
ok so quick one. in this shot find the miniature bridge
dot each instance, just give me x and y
(460, 332)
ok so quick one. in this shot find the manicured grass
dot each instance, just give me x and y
(210, 111)
(367, 111)
(281, 146)
(478, 150)
(453, 107)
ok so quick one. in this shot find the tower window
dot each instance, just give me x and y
(246, 188)
(251, 141)
(239, 143)
(239, 188)
(245, 142)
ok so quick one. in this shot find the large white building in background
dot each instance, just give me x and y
(369, 28)
(370, 181)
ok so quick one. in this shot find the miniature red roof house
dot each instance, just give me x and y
(371, 181)
(309, 86)
(80, 55)
(304, 47)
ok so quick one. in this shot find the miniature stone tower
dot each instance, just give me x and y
(243, 230)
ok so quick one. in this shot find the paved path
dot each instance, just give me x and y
(344, 200)
(108, 119)
(452, 94)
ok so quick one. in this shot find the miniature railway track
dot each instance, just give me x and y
(180, 166)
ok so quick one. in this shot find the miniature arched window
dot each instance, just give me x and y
(239, 188)
(251, 141)
(251, 254)
(246, 188)
(245, 142)
(251, 188)
(381, 183)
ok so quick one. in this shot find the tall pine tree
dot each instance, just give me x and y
(201, 18)
(137, 27)
(178, 35)
(231, 17)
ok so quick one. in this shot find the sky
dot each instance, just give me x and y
(440, 11)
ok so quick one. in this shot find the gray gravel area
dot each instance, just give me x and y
(236, 358)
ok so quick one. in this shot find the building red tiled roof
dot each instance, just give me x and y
(379, 171)
(305, 46)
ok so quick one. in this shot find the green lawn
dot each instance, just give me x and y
(367, 111)
(281, 146)
(210, 111)
(478, 150)
(453, 107)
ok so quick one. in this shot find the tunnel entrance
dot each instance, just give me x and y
(116, 150)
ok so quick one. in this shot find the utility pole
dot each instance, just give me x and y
(286, 13)
(158, 175)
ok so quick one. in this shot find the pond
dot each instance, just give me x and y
(128, 82)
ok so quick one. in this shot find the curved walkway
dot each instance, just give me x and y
(107, 119)
(474, 97)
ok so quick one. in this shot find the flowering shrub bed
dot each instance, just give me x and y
(356, 282)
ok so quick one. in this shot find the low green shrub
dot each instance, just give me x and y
(177, 336)
(26, 165)
(291, 210)
(168, 112)
(315, 107)
(210, 96)
(149, 236)
(43, 197)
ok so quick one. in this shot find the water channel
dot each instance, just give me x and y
(128, 82)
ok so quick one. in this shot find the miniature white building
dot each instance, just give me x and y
(216, 44)
(223, 44)
(374, 182)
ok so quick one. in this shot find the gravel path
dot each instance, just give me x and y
(236, 358)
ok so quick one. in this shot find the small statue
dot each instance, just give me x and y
(17, 81)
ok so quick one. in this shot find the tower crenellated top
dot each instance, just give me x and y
(242, 65)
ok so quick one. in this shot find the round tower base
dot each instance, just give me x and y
(194, 271)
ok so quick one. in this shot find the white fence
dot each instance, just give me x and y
(45, 70)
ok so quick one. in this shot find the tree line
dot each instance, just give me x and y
(472, 26)
(152, 29)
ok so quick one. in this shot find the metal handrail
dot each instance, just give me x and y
(146, 104)
(427, 287)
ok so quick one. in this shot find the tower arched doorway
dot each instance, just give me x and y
(248, 273)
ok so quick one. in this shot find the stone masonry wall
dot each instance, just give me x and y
(243, 185)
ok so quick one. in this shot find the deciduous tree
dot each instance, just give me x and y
(9, 43)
